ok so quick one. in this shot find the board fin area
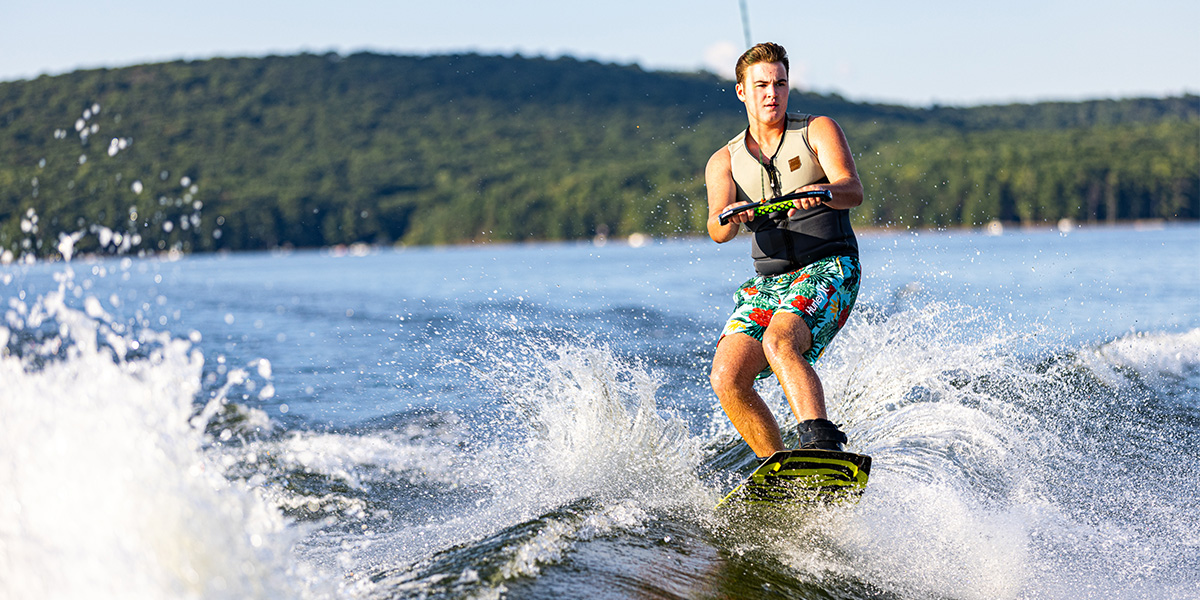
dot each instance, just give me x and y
(803, 477)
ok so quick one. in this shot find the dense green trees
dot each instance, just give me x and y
(1097, 173)
(320, 150)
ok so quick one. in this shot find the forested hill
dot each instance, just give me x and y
(318, 150)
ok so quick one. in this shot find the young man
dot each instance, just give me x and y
(806, 257)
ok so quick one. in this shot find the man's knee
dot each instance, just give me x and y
(722, 379)
(730, 377)
(790, 341)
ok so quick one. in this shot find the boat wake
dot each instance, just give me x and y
(130, 470)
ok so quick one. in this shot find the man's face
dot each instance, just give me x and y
(764, 89)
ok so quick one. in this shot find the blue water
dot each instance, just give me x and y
(534, 421)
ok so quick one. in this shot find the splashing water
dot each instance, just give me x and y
(1004, 467)
(108, 487)
(169, 220)
(992, 474)
(580, 452)
(592, 421)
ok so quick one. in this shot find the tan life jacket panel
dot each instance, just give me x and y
(794, 160)
(782, 244)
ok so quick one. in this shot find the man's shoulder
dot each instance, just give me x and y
(823, 130)
(799, 120)
(821, 122)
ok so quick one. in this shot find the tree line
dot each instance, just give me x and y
(318, 150)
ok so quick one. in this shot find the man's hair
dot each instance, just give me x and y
(768, 52)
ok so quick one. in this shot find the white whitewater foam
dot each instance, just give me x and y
(594, 429)
(1154, 357)
(106, 490)
(588, 428)
(956, 506)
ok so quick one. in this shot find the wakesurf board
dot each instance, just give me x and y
(803, 477)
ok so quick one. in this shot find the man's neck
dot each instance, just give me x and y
(765, 137)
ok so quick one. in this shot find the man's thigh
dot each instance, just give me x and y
(787, 331)
(739, 358)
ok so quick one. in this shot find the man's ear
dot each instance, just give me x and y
(741, 92)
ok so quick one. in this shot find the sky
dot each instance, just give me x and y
(916, 53)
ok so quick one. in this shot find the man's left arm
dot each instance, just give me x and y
(833, 152)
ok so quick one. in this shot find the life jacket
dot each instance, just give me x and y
(782, 244)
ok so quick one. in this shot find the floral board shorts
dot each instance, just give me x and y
(821, 293)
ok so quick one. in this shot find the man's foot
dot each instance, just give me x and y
(820, 434)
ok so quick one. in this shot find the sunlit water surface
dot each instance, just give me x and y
(534, 421)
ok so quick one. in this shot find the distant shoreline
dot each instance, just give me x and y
(364, 249)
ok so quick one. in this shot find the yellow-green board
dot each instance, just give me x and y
(803, 476)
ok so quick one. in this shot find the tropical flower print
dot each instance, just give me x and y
(842, 316)
(804, 305)
(821, 293)
(762, 317)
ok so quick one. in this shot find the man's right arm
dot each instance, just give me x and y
(718, 178)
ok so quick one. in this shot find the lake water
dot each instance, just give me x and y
(534, 421)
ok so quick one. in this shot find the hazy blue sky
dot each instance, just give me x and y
(916, 52)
